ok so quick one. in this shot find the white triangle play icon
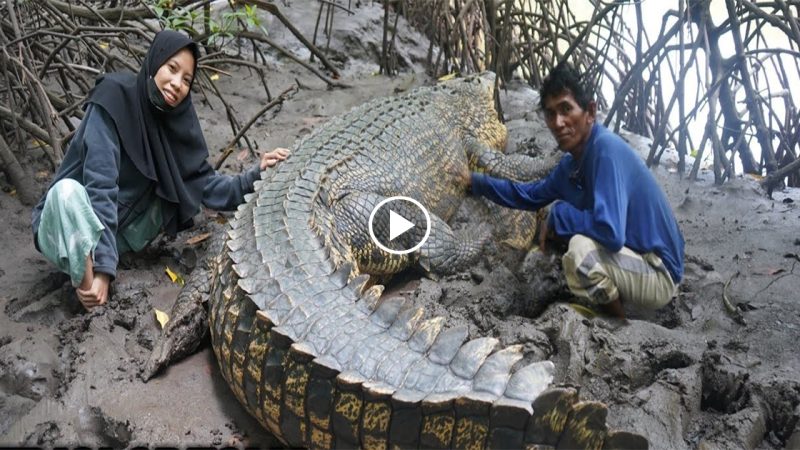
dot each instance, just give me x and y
(398, 225)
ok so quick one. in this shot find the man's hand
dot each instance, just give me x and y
(545, 233)
(462, 175)
(269, 159)
(97, 294)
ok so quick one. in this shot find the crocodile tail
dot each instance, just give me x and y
(322, 361)
(310, 400)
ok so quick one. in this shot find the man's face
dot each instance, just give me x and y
(570, 124)
(174, 77)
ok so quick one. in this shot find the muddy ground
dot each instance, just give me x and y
(691, 375)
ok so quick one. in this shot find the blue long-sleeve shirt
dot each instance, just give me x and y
(609, 196)
(119, 192)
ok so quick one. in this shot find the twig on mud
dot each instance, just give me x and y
(285, 95)
(26, 125)
(790, 273)
(735, 314)
(275, 11)
(741, 364)
(777, 177)
(208, 64)
(293, 57)
(234, 122)
(24, 184)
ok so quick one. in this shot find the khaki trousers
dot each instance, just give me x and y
(600, 276)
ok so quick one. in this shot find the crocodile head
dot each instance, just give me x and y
(472, 108)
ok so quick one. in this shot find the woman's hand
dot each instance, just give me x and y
(269, 159)
(97, 294)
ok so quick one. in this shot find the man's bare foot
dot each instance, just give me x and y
(614, 309)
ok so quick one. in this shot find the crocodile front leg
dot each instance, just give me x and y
(516, 227)
(515, 167)
(442, 253)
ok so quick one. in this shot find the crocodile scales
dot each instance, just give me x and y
(303, 336)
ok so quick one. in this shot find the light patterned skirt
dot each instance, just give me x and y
(69, 228)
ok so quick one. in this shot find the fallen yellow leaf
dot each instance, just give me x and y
(214, 77)
(449, 76)
(176, 278)
(161, 317)
(582, 310)
(37, 143)
(103, 45)
(197, 239)
(311, 121)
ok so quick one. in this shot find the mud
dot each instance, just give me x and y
(687, 376)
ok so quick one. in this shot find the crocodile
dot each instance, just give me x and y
(299, 325)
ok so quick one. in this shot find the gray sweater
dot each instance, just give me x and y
(119, 192)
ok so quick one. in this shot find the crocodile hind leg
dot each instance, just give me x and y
(443, 252)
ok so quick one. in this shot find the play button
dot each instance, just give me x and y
(399, 225)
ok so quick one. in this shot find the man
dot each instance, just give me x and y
(624, 243)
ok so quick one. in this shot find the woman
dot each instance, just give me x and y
(136, 166)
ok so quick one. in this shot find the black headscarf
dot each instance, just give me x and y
(165, 144)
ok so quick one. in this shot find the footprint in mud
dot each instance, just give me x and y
(725, 387)
(48, 302)
(783, 421)
(745, 413)
(95, 427)
(22, 385)
(26, 379)
(47, 434)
